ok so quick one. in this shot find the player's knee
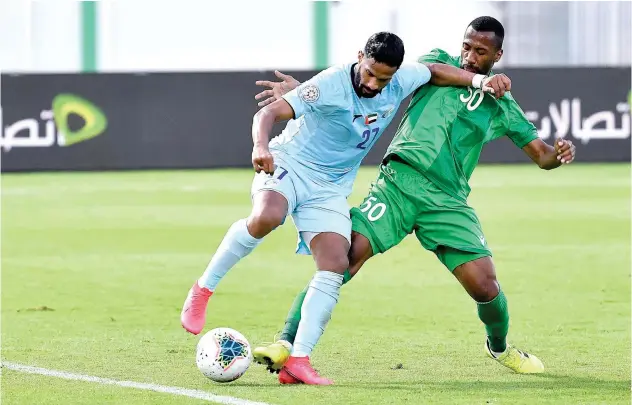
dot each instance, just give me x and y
(336, 262)
(262, 223)
(485, 289)
(268, 212)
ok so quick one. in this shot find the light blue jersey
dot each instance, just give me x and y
(334, 128)
(318, 154)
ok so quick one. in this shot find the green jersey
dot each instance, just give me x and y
(444, 129)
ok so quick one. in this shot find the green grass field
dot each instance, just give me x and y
(112, 255)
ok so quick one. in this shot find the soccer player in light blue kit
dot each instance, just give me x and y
(308, 173)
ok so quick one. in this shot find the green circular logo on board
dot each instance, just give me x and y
(95, 121)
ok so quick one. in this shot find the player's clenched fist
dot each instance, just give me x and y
(565, 150)
(262, 160)
(500, 83)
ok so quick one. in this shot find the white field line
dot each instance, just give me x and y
(184, 392)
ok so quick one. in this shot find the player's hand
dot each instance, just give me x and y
(497, 85)
(565, 150)
(262, 160)
(277, 89)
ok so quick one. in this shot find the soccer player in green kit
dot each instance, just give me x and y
(422, 188)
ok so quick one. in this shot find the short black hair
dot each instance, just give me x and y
(490, 24)
(386, 48)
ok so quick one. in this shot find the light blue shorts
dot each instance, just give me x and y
(315, 205)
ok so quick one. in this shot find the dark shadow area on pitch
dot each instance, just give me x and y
(547, 382)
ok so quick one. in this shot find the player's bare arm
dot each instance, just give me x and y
(549, 157)
(442, 75)
(262, 124)
(446, 75)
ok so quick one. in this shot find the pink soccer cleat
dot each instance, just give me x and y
(193, 316)
(299, 369)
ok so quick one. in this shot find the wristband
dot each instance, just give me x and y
(477, 81)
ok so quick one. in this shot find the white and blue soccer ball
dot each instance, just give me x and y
(223, 354)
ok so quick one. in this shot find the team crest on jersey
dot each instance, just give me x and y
(310, 93)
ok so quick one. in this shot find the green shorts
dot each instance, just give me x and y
(403, 201)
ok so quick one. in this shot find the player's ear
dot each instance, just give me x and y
(499, 55)
(360, 56)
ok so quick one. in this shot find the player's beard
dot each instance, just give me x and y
(361, 90)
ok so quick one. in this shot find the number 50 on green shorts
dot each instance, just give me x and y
(403, 201)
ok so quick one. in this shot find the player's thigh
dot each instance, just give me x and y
(385, 216)
(283, 182)
(451, 229)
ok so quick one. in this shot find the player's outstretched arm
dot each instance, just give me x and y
(262, 124)
(550, 157)
(446, 75)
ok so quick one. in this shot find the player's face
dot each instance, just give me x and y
(479, 52)
(371, 76)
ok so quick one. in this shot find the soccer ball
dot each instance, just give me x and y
(223, 355)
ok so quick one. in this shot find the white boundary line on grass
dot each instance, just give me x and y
(185, 392)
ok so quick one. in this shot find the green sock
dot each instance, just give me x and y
(495, 316)
(294, 316)
(346, 277)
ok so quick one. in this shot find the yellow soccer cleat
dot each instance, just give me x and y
(273, 356)
(517, 360)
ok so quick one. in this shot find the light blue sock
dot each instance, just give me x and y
(237, 244)
(322, 297)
